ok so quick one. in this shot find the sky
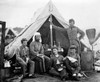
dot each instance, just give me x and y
(18, 13)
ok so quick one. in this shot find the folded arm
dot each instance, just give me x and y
(67, 64)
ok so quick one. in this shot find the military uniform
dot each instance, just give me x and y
(24, 60)
(72, 63)
(36, 49)
(72, 32)
(57, 66)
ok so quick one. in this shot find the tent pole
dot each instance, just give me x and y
(51, 33)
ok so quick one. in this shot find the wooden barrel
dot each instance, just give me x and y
(87, 59)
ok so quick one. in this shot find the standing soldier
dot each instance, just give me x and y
(72, 32)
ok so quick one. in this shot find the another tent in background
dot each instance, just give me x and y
(18, 29)
(10, 31)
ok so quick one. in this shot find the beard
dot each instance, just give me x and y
(38, 40)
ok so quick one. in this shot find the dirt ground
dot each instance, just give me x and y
(92, 77)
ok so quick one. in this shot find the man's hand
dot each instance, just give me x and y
(27, 59)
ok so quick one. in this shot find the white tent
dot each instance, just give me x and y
(39, 18)
(10, 29)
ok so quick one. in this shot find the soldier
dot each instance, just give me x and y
(72, 32)
(24, 60)
(37, 54)
(57, 67)
(72, 62)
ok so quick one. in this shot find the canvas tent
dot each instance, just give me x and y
(17, 29)
(10, 32)
(41, 23)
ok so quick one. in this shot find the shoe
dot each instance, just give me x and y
(74, 75)
(79, 75)
(32, 76)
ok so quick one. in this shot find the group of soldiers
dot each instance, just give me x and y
(56, 64)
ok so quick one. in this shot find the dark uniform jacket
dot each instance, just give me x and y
(56, 65)
(75, 56)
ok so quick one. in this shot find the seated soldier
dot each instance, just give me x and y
(57, 67)
(23, 59)
(72, 62)
(37, 54)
